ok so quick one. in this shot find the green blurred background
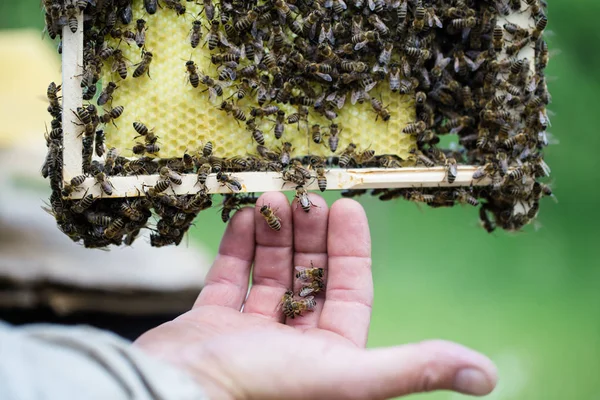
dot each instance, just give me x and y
(531, 301)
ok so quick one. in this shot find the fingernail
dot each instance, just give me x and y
(472, 381)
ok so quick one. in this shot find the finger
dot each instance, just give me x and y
(310, 245)
(272, 274)
(349, 292)
(226, 283)
(423, 367)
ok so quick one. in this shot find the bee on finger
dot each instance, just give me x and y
(272, 219)
(303, 199)
(311, 273)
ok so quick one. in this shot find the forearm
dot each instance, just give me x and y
(54, 362)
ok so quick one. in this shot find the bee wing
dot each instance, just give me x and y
(371, 5)
(282, 16)
(212, 94)
(380, 67)
(328, 3)
(360, 45)
(305, 291)
(370, 86)
(343, 4)
(340, 101)
(456, 64)
(331, 96)
(322, 35)
(330, 36)
(223, 40)
(437, 21)
(465, 34)
(356, 94)
(325, 77)
(313, 32)
(453, 169)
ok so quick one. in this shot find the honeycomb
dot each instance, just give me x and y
(184, 118)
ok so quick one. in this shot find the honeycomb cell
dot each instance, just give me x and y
(184, 118)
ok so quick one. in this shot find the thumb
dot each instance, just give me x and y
(426, 366)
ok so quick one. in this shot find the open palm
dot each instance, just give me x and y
(242, 347)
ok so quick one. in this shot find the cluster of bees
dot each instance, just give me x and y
(312, 282)
(458, 59)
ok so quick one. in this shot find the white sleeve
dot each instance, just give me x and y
(39, 362)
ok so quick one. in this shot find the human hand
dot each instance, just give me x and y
(257, 354)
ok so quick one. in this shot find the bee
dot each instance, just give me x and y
(175, 5)
(203, 172)
(86, 202)
(105, 185)
(419, 21)
(264, 111)
(160, 187)
(311, 273)
(71, 13)
(144, 65)
(380, 110)
(107, 94)
(279, 126)
(321, 178)
(87, 153)
(213, 37)
(257, 134)
(519, 139)
(141, 148)
(497, 39)
(487, 170)
(111, 115)
(140, 33)
(231, 183)
(99, 143)
(310, 24)
(364, 38)
(214, 89)
(115, 228)
(517, 46)
(540, 26)
(207, 149)
(272, 219)
(451, 169)
(131, 212)
(423, 159)
(486, 222)
(415, 128)
(73, 185)
(247, 22)
(516, 31)
(119, 65)
(316, 133)
(52, 94)
(151, 6)
(333, 137)
(209, 9)
(536, 8)
(313, 287)
(347, 155)
(303, 199)
(196, 33)
(192, 71)
(284, 156)
(168, 174)
(502, 158)
(237, 113)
